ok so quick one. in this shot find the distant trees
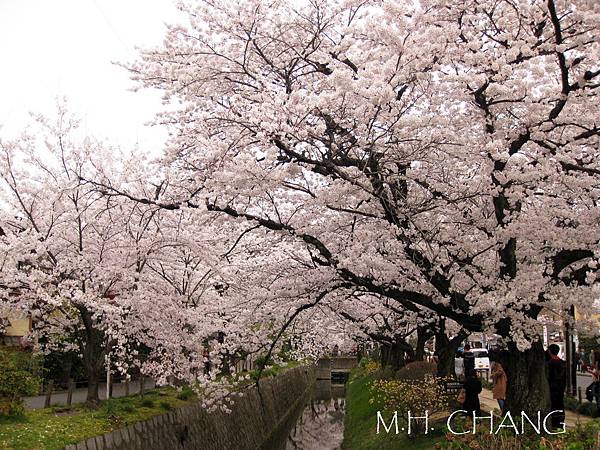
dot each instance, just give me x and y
(75, 260)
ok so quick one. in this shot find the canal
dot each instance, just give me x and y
(320, 424)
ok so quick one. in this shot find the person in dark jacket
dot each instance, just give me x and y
(472, 387)
(469, 359)
(557, 382)
(595, 371)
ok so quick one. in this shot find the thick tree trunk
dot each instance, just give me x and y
(66, 374)
(445, 362)
(423, 335)
(392, 356)
(527, 388)
(92, 391)
(445, 349)
(94, 351)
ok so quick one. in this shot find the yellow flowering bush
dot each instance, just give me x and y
(416, 396)
(372, 366)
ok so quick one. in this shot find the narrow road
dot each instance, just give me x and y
(584, 380)
(489, 404)
(79, 395)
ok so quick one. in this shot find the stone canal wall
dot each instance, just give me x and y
(255, 418)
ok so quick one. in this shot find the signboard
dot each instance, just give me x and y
(452, 387)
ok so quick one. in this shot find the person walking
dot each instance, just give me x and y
(594, 369)
(577, 359)
(499, 381)
(557, 382)
(472, 387)
(468, 359)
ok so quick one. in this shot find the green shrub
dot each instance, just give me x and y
(166, 406)
(128, 408)
(417, 370)
(485, 384)
(261, 361)
(383, 373)
(62, 408)
(111, 410)
(61, 365)
(147, 403)
(11, 408)
(364, 361)
(266, 373)
(503, 440)
(16, 381)
(571, 403)
(369, 365)
(580, 437)
(185, 394)
(587, 409)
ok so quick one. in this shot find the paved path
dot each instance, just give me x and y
(584, 380)
(489, 404)
(79, 395)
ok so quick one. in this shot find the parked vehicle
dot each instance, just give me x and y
(482, 359)
(476, 345)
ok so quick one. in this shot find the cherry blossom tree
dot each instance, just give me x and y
(443, 155)
(57, 241)
(76, 260)
(388, 325)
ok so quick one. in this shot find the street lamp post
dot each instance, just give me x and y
(108, 377)
(569, 352)
(573, 367)
(107, 368)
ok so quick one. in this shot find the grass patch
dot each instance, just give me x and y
(360, 423)
(274, 370)
(147, 403)
(54, 428)
(186, 393)
(166, 406)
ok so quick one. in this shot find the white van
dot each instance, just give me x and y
(482, 359)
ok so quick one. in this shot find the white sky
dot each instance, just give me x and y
(55, 48)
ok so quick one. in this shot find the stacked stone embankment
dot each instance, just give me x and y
(256, 419)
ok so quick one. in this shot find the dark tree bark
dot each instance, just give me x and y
(527, 388)
(392, 356)
(93, 385)
(94, 349)
(445, 349)
(445, 357)
(423, 335)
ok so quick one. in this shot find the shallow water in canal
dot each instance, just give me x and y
(320, 425)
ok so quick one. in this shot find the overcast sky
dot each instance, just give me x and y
(54, 48)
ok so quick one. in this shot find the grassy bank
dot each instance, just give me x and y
(360, 429)
(53, 428)
(360, 424)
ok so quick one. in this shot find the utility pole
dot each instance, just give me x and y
(107, 371)
(569, 352)
(573, 367)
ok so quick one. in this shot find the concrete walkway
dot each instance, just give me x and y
(488, 404)
(79, 395)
